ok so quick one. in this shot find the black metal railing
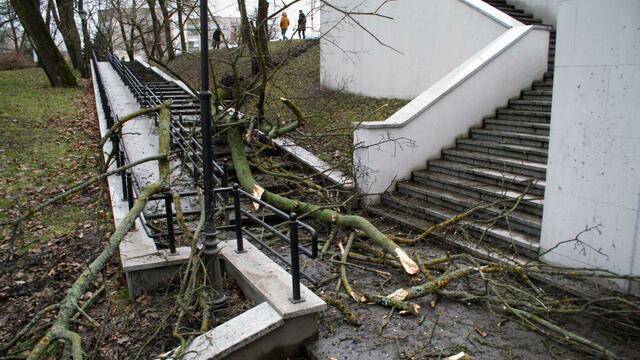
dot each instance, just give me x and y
(191, 149)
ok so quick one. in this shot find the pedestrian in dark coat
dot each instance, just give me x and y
(302, 25)
(217, 38)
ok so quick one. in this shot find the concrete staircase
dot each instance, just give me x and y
(497, 161)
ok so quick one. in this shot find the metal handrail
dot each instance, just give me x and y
(193, 149)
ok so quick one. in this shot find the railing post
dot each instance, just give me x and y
(123, 176)
(168, 199)
(225, 195)
(238, 219)
(129, 189)
(194, 159)
(295, 261)
(130, 195)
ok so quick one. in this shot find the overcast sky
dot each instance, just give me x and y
(230, 8)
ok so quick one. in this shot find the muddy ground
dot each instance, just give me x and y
(443, 327)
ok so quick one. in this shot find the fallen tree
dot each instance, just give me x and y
(59, 330)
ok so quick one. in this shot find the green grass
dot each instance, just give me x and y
(329, 115)
(45, 147)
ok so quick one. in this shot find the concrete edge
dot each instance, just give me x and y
(314, 162)
(493, 13)
(261, 279)
(138, 252)
(235, 333)
(452, 80)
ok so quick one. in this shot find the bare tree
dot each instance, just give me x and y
(156, 49)
(166, 25)
(53, 63)
(69, 31)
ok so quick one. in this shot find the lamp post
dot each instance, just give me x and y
(84, 70)
(210, 249)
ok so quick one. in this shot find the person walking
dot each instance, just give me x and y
(284, 25)
(217, 34)
(302, 25)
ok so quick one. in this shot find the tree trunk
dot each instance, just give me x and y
(348, 222)
(262, 29)
(127, 41)
(53, 63)
(14, 33)
(147, 51)
(156, 49)
(69, 32)
(166, 24)
(183, 40)
(88, 48)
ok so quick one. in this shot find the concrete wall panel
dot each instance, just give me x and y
(425, 39)
(594, 153)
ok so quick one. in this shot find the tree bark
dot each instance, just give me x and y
(127, 41)
(156, 49)
(262, 29)
(349, 222)
(180, 11)
(53, 63)
(166, 24)
(70, 34)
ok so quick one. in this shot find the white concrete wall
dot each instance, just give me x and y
(594, 156)
(448, 109)
(432, 37)
(547, 10)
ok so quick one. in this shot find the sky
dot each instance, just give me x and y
(230, 8)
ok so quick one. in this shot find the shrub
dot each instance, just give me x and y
(15, 60)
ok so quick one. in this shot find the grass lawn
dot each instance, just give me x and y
(47, 143)
(327, 130)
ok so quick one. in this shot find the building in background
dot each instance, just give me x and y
(137, 20)
(229, 25)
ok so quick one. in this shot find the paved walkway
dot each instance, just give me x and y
(140, 139)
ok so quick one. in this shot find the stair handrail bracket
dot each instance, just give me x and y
(389, 151)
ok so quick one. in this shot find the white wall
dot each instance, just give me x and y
(432, 37)
(448, 109)
(594, 156)
(547, 10)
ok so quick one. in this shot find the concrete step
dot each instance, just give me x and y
(517, 126)
(170, 93)
(520, 167)
(509, 10)
(502, 179)
(523, 115)
(503, 238)
(528, 153)
(534, 105)
(542, 85)
(467, 193)
(541, 95)
(505, 137)
(455, 203)
(185, 112)
(473, 189)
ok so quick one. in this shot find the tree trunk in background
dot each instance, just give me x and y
(70, 34)
(148, 52)
(88, 48)
(183, 40)
(53, 63)
(156, 50)
(126, 40)
(262, 30)
(166, 24)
